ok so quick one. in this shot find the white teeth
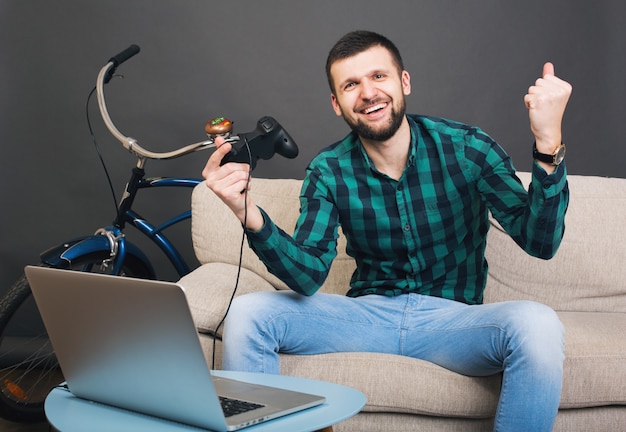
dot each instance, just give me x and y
(374, 108)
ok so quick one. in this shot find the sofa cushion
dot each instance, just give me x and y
(401, 384)
(595, 359)
(588, 272)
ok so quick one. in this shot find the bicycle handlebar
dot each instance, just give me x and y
(125, 55)
(267, 139)
(130, 144)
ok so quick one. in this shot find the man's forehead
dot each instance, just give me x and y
(365, 63)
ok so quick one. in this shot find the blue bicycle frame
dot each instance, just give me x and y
(109, 242)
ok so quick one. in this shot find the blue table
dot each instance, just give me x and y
(68, 413)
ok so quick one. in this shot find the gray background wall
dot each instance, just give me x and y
(469, 60)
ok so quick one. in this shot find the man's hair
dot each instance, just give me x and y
(355, 43)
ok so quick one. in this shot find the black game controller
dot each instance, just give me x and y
(267, 139)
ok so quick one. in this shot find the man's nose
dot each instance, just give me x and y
(368, 89)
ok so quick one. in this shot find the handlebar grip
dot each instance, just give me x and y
(119, 59)
(124, 55)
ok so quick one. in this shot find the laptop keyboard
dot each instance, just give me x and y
(232, 407)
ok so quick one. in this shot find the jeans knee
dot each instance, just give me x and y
(247, 344)
(246, 310)
(539, 330)
(540, 318)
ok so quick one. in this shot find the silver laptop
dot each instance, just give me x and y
(132, 343)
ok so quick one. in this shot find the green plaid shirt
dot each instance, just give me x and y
(424, 233)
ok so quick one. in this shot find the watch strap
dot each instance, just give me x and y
(555, 159)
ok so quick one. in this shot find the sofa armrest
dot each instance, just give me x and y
(209, 289)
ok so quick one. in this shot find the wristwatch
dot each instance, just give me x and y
(555, 158)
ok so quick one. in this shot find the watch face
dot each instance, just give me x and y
(559, 155)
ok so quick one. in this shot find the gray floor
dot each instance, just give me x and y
(6, 426)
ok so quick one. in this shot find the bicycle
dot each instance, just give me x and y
(28, 367)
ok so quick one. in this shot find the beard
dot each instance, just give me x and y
(382, 134)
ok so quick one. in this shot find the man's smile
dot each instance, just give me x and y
(372, 110)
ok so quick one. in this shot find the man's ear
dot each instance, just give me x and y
(335, 104)
(406, 83)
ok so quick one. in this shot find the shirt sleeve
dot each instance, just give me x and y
(535, 219)
(301, 261)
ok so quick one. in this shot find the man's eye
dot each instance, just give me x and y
(349, 85)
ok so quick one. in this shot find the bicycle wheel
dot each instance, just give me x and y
(28, 366)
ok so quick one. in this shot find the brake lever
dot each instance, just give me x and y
(210, 143)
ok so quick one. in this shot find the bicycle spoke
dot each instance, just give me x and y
(30, 378)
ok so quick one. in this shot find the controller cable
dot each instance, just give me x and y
(243, 241)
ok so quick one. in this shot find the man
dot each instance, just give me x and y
(412, 195)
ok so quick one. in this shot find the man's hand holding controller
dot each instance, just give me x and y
(230, 182)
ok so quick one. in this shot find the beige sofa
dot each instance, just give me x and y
(585, 283)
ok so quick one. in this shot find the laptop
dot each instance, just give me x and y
(132, 343)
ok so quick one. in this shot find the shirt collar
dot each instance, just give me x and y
(412, 149)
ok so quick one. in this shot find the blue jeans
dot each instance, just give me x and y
(522, 339)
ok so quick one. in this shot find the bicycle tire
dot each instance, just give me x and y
(28, 366)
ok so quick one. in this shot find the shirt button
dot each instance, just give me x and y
(407, 227)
